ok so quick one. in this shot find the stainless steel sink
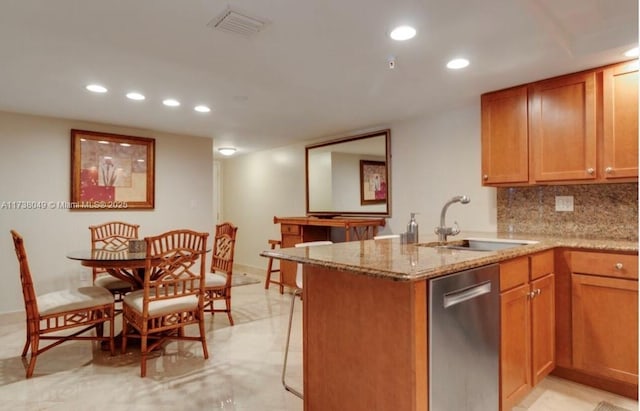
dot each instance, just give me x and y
(482, 244)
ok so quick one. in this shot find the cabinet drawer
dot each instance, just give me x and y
(290, 229)
(606, 264)
(541, 264)
(514, 273)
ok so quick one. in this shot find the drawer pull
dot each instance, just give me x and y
(619, 266)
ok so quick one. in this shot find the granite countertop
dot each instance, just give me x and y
(412, 262)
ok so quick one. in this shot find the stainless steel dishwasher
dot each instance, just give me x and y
(464, 340)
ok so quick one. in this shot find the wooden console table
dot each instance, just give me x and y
(296, 230)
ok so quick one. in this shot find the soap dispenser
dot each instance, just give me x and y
(412, 229)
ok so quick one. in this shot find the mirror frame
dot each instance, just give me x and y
(334, 213)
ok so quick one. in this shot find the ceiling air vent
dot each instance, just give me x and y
(237, 22)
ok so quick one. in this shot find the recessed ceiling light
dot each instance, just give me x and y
(632, 53)
(135, 96)
(458, 63)
(226, 151)
(171, 102)
(202, 109)
(402, 33)
(96, 88)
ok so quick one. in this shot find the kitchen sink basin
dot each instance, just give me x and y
(482, 244)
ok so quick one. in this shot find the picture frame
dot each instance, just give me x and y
(373, 182)
(111, 171)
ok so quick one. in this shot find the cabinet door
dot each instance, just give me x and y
(515, 346)
(620, 121)
(563, 128)
(505, 148)
(605, 326)
(543, 324)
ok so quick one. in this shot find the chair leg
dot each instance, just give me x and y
(228, 303)
(28, 342)
(123, 348)
(205, 351)
(268, 280)
(286, 350)
(143, 352)
(112, 330)
(35, 342)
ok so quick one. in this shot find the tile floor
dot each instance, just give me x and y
(242, 373)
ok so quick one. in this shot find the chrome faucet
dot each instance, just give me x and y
(443, 231)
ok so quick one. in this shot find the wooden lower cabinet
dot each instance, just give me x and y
(515, 346)
(597, 319)
(543, 327)
(527, 324)
(605, 326)
(364, 342)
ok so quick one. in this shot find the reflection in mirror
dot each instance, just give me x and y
(350, 176)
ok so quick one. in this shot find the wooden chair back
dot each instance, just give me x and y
(224, 244)
(113, 236)
(28, 290)
(175, 267)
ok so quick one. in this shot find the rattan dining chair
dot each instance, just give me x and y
(61, 315)
(172, 296)
(296, 294)
(218, 281)
(112, 236)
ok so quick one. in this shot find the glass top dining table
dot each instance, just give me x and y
(121, 264)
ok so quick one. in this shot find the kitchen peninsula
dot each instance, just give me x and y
(296, 230)
(365, 318)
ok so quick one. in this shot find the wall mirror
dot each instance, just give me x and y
(350, 176)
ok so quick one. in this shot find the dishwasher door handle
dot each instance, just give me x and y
(465, 294)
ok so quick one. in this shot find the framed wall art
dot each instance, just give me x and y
(373, 182)
(111, 171)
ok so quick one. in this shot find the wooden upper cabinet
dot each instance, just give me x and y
(505, 137)
(562, 128)
(620, 121)
(578, 128)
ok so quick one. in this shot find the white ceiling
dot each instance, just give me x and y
(319, 68)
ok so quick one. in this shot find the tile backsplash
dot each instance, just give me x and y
(600, 210)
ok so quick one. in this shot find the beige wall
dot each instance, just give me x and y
(433, 159)
(35, 166)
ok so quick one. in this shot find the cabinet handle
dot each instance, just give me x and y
(531, 294)
(485, 177)
(608, 170)
(538, 291)
(590, 170)
(619, 266)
